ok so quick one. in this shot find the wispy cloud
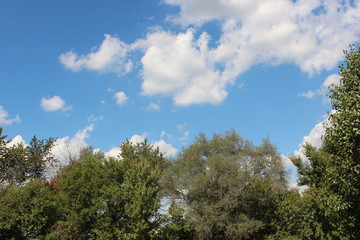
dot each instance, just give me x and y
(4, 117)
(324, 88)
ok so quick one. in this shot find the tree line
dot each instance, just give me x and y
(222, 187)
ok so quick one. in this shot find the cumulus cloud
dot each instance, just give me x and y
(111, 56)
(167, 148)
(164, 147)
(333, 79)
(308, 33)
(179, 65)
(54, 104)
(113, 152)
(4, 117)
(286, 160)
(314, 138)
(15, 141)
(138, 138)
(311, 34)
(120, 98)
(68, 148)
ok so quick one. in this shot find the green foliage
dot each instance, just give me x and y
(332, 207)
(288, 216)
(143, 167)
(110, 198)
(90, 196)
(228, 185)
(342, 141)
(176, 226)
(27, 212)
(20, 163)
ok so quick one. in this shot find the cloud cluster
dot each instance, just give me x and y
(4, 117)
(311, 34)
(53, 104)
(308, 33)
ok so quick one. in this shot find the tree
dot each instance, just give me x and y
(176, 226)
(342, 140)
(228, 186)
(90, 187)
(112, 198)
(333, 171)
(20, 163)
(143, 168)
(29, 211)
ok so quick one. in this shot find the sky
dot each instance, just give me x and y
(100, 72)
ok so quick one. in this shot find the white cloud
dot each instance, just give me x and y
(311, 34)
(314, 138)
(109, 57)
(154, 106)
(120, 98)
(113, 152)
(138, 138)
(4, 117)
(164, 147)
(54, 104)
(95, 119)
(301, 189)
(179, 65)
(308, 33)
(286, 160)
(185, 137)
(181, 126)
(15, 141)
(323, 90)
(310, 94)
(66, 148)
(167, 148)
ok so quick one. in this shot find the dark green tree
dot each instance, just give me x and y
(28, 211)
(90, 190)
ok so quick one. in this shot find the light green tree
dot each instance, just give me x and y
(143, 166)
(229, 187)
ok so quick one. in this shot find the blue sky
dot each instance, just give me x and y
(98, 72)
